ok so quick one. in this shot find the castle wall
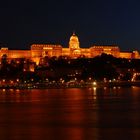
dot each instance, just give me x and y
(12, 54)
(127, 55)
(98, 50)
(19, 54)
(65, 51)
(86, 52)
(39, 51)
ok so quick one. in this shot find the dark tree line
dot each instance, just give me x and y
(98, 68)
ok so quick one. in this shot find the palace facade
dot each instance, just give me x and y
(38, 51)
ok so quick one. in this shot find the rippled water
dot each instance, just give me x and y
(70, 114)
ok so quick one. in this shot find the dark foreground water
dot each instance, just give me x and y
(70, 114)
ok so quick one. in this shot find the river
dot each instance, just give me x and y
(70, 114)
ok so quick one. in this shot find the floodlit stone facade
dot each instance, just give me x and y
(73, 51)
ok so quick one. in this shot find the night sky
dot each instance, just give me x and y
(101, 22)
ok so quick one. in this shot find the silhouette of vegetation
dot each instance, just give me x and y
(54, 68)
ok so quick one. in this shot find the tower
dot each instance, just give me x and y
(74, 46)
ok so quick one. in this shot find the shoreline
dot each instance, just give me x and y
(89, 85)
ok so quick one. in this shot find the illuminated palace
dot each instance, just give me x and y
(38, 51)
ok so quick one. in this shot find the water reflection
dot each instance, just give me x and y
(72, 114)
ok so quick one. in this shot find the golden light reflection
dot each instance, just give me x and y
(94, 84)
(94, 88)
(3, 90)
(114, 88)
(94, 93)
(11, 89)
(17, 90)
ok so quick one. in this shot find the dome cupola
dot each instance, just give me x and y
(74, 42)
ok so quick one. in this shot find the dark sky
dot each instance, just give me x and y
(23, 22)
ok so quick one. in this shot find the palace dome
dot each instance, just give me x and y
(74, 38)
(74, 42)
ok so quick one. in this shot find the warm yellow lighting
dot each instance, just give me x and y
(11, 81)
(94, 84)
(3, 90)
(17, 90)
(74, 42)
(39, 51)
(94, 93)
(135, 76)
(114, 80)
(105, 80)
(11, 90)
(94, 88)
(114, 87)
(89, 78)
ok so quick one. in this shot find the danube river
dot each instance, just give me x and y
(70, 114)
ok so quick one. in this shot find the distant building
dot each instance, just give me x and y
(110, 50)
(42, 50)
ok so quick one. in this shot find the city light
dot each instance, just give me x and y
(94, 84)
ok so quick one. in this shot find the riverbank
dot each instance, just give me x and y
(65, 85)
